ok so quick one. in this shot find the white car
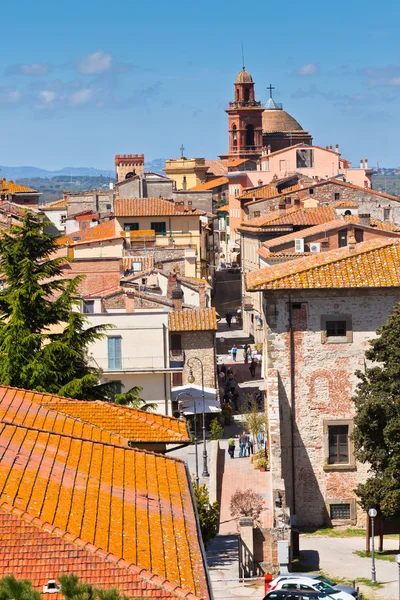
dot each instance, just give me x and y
(307, 584)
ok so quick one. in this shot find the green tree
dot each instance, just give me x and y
(216, 429)
(37, 298)
(252, 419)
(133, 399)
(377, 421)
(208, 513)
(73, 589)
(13, 589)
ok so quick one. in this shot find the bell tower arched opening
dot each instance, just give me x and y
(249, 135)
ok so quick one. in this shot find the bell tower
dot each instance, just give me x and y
(244, 120)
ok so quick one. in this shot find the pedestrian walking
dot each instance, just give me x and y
(242, 444)
(252, 368)
(249, 444)
(260, 440)
(229, 371)
(228, 318)
(231, 447)
(234, 352)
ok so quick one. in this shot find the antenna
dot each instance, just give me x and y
(243, 57)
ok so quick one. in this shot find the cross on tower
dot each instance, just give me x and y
(182, 150)
(270, 88)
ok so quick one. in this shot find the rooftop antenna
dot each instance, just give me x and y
(243, 58)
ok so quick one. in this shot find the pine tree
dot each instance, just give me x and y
(36, 298)
(377, 422)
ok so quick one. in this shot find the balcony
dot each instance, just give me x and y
(176, 359)
(248, 303)
(129, 364)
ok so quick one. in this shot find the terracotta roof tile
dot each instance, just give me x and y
(224, 208)
(235, 162)
(123, 504)
(198, 319)
(268, 191)
(375, 263)
(209, 185)
(218, 168)
(103, 231)
(9, 187)
(150, 207)
(293, 216)
(110, 419)
(56, 205)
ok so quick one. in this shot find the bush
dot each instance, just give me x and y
(216, 429)
(208, 513)
(261, 462)
(227, 413)
(246, 503)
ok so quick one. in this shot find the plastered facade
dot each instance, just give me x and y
(317, 391)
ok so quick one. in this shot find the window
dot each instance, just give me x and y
(114, 352)
(63, 219)
(340, 511)
(386, 214)
(249, 135)
(159, 228)
(177, 379)
(131, 227)
(289, 586)
(88, 307)
(335, 328)
(176, 342)
(304, 587)
(296, 306)
(338, 444)
(311, 191)
(304, 159)
(337, 196)
(359, 235)
(257, 213)
(288, 200)
(246, 94)
(234, 133)
(108, 206)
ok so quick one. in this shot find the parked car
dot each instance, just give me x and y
(307, 584)
(296, 595)
(336, 586)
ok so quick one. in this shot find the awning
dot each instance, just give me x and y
(210, 406)
(188, 395)
(193, 390)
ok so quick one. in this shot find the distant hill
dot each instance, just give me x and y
(387, 180)
(52, 189)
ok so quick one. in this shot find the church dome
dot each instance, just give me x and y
(276, 120)
(244, 77)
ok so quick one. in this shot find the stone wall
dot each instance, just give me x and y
(202, 200)
(317, 394)
(200, 344)
(97, 201)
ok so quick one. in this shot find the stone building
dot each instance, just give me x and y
(319, 314)
(128, 165)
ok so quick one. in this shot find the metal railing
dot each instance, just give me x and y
(129, 363)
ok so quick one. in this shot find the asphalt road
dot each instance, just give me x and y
(228, 293)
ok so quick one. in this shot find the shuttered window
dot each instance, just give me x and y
(114, 353)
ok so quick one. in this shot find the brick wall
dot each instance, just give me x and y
(99, 274)
(324, 382)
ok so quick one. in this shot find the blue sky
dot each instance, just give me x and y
(84, 80)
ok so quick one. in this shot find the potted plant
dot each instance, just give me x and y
(262, 464)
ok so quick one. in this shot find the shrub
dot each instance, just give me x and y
(208, 513)
(227, 413)
(262, 462)
(216, 429)
(247, 503)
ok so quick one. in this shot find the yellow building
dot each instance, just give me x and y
(186, 172)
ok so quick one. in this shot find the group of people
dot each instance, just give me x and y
(231, 394)
(245, 445)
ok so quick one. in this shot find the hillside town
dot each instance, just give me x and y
(189, 418)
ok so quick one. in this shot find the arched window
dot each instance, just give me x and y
(347, 213)
(249, 135)
(246, 94)
(237, 94)
(234, 136)
(130, 174)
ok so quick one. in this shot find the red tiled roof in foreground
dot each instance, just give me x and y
(130, 507)
(104, 421)
(197, 319)
(375, 263)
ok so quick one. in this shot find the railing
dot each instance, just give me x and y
(242, 104)
(127, 363)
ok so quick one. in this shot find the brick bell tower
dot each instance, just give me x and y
(244, 120)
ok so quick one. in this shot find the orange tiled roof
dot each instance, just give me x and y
(268, 191)
(345, 204)
(150, 207)
(103, 231)
(218, 168)
(111, 419)
(224, 208)
(209, 185)
(197, 319)
(375, 263)
(35, 551)
(118, 503)
(235, 162)
(292, 216)
(9, 187)
(56, 205)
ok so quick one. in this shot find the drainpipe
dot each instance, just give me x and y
(292, 403)
(166, 363)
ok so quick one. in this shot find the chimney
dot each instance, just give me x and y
(365, 219)
(361, 163)
(366, 163)
(351, 243)
(177, 299)
(281, 205)
(330, 147)
(171, 285)
(337, 148)
(129, 302)
(202, 295)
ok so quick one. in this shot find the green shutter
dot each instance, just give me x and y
(114, 353)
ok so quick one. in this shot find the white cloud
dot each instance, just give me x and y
(29, 70)
(98, 62)
(47, 97)
(81, 96)
(9, 95)
(308, 69)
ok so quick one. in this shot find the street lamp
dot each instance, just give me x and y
(398, 563)
(372, 513)
(191, 379)
(195, 434)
